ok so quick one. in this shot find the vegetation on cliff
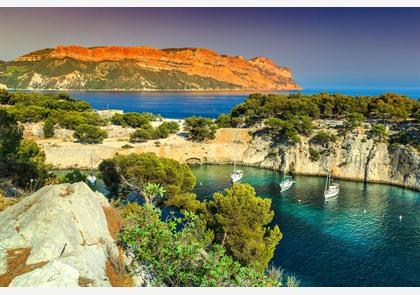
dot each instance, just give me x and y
(286, 117)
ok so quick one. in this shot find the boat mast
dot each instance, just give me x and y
(327, 182)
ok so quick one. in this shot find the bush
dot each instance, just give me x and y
(134, 120)
(74, 176)
(142, 135)
(177, 257)
(162, 131)
(48, 128)
(172, 126)
(200, 129)
(224, 121)
(313, 154)
(282, 130)
(378, 132)
(5, 97)
(322, 138)
(89, 134)
(354, 120)
(147, 132)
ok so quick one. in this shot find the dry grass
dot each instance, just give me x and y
(16, 265)
(114, 221)
(116, 268)
(6, 202)
(116, 277)
(84, 282)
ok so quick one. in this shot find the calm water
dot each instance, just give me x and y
(336, 243)
(208, 104)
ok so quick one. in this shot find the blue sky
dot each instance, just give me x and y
(325, 47)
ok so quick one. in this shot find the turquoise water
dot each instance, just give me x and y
(356, 239)
(207, 104)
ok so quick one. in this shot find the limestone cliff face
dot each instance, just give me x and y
(57, 237)
(354, 158)
(143, 68)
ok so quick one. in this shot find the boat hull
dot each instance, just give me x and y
(285, 186)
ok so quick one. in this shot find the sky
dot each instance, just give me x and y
(324, 47)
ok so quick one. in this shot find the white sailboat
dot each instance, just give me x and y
(237, 174)
(286, 183)
(331, 188)
(91, 178)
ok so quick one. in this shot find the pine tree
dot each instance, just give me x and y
(48, 128)
(239, 219)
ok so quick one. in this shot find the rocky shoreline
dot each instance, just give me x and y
(353, 157)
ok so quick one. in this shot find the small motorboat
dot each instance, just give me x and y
(236, 176)
(286, 183)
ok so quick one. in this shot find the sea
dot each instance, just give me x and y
(178, 105)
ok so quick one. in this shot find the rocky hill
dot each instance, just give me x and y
(142, 68)
(60, 236)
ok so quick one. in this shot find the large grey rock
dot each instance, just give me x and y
(63, 225)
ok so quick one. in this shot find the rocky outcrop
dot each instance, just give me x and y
(143, 68)
(353, 157)
(57, 237)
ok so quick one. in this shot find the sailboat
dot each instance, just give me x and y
(331, 188)
(91, 178)
(286, 183)
(237, 174)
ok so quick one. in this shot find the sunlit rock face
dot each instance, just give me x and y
(143, 68)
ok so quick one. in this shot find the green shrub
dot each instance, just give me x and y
(353, 120)
(322, 138)
(5, 97)
(224, 121)
(378, 132)
(74, 176)
(147, 132)
(142, 135)
(313, 154)
(48, 128)
(134, 120)
(200, 129)
(282, 130)
(162, 131)
(85, 133)
(183, 257)
(172, 126)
